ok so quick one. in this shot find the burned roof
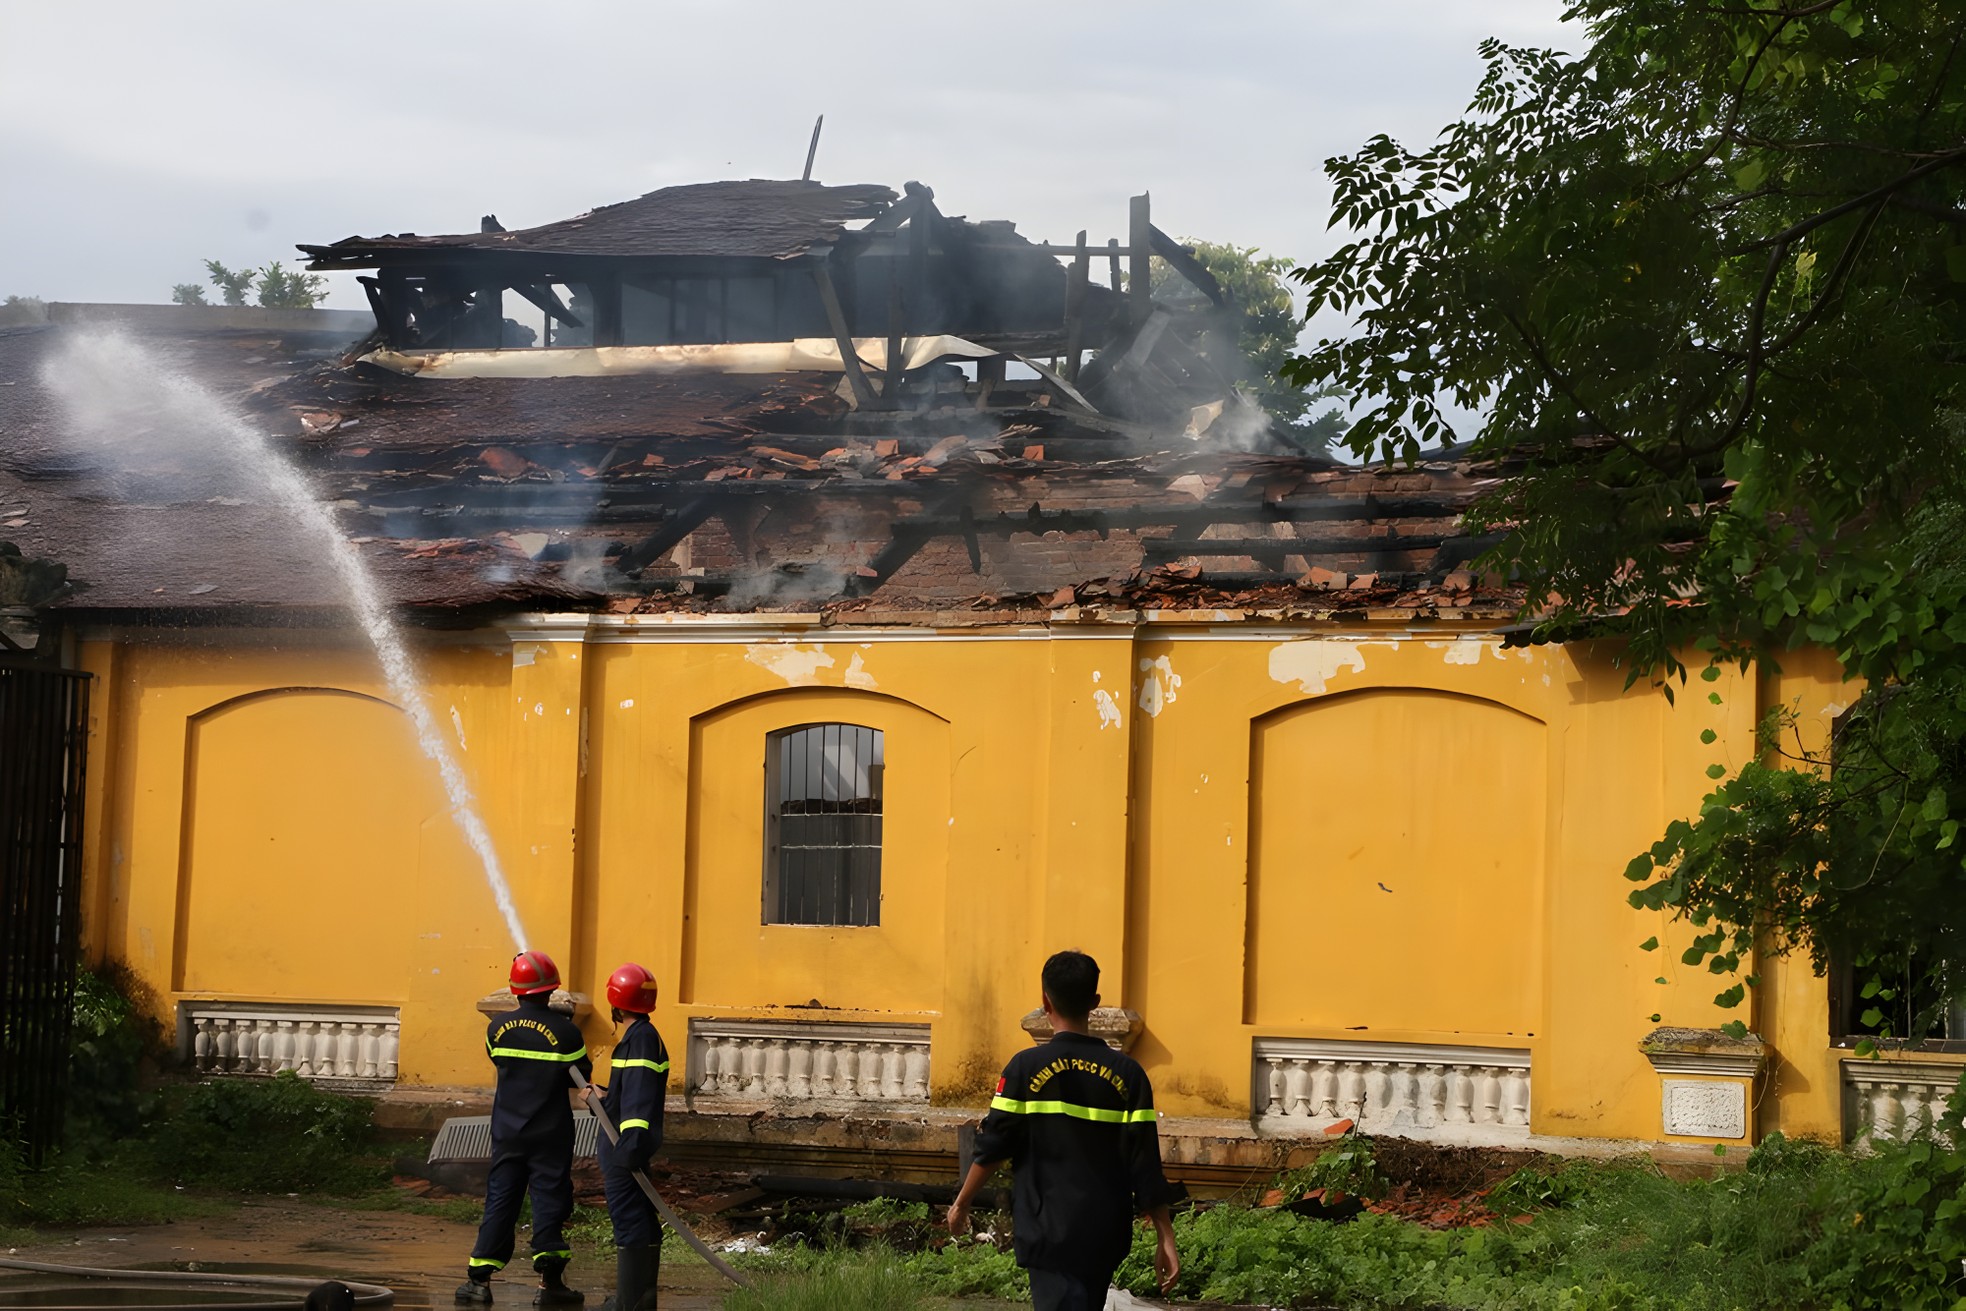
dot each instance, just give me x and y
(749, 492)
(757, 219)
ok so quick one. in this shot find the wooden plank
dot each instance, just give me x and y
(1075, 285)
(863, 391)
(892, 386)
(813, 149)
(1139, 273)
(1118, 283)
(1187, 266)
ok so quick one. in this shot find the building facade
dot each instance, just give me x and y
(841, 679)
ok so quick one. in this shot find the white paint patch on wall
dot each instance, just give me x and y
(457, 722)
(797, 664)
(524, 653)
(1161, 686)
(1312, 663)
(1109, 708)
(1464, 650)
(857, 675)
(628, 704)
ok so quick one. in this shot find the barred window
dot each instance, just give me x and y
(823, 825)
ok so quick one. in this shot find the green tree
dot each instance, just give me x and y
(22, 309)
(1706, 284)
(1268, 336)
(282, 289)
(188, 293)
(233, 286)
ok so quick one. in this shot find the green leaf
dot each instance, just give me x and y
(1736, 1029)
(1714, 697)
(1655, 1017)
(1640, 868)
(1708, 736)
(1871, 1018)
(1650, 944)
(1716, 771)
(1711, 673)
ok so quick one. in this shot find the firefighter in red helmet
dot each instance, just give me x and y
(638, 1082)
(533, 1049)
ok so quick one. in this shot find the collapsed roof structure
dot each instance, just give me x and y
(767, 395)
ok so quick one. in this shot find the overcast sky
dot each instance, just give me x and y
(139, 139)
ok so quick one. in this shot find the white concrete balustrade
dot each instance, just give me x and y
(771, 1060)
(1443, 1094)
(355, 1046)
(1896, 1099)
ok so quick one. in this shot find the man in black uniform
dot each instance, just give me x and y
(533, 1048)
(639, 1080)
(1076, 1121)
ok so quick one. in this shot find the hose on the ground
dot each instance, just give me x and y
(669, 1217)
(366, 1295)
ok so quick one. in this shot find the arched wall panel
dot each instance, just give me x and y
(1397, 865)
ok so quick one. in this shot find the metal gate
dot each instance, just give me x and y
(43, 744)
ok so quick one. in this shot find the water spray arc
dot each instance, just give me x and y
(110, 385)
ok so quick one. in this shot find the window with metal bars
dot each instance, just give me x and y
(823, 825)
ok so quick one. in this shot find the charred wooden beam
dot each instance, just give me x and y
(682, 521)
(1075, 289)
(1183, 262)
(1140, 268)
(856, 378)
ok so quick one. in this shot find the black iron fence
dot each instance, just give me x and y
(43, 744)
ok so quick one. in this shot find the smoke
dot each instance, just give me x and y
(785, 585)
(125, 405)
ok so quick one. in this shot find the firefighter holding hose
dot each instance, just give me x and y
(533, 1048)
(639, 1081)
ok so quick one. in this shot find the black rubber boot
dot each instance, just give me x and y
(553, 1290)
(635, 1270)
(475, 1291)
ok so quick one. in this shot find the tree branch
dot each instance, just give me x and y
(1563, 384)
(1788, 235)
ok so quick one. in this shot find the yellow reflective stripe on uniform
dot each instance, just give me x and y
(1095, 1113)
(524, 1055)
(485, 1260)
(660, 1067)
(626, 1125)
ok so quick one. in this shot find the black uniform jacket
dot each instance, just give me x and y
(640, 1080)
(1076, 1121)
(534, 1047)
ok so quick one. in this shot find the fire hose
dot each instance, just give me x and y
(662, 1208)
(295, 1287)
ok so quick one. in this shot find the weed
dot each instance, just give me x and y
(835, 1282)
(1539, 1187)
(277, 1135)
(1346, 1166)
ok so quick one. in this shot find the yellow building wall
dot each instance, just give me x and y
(1258, 832)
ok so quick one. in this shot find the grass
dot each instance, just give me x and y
(75, 1191)
(1798, 1227)
(878, 1280)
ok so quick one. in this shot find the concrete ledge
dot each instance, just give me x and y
(1212, 1157)
(349, 324)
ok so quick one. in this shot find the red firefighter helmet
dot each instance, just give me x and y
(533, 971)
(632, 988)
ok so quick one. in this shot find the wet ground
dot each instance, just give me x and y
(421, 1257)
